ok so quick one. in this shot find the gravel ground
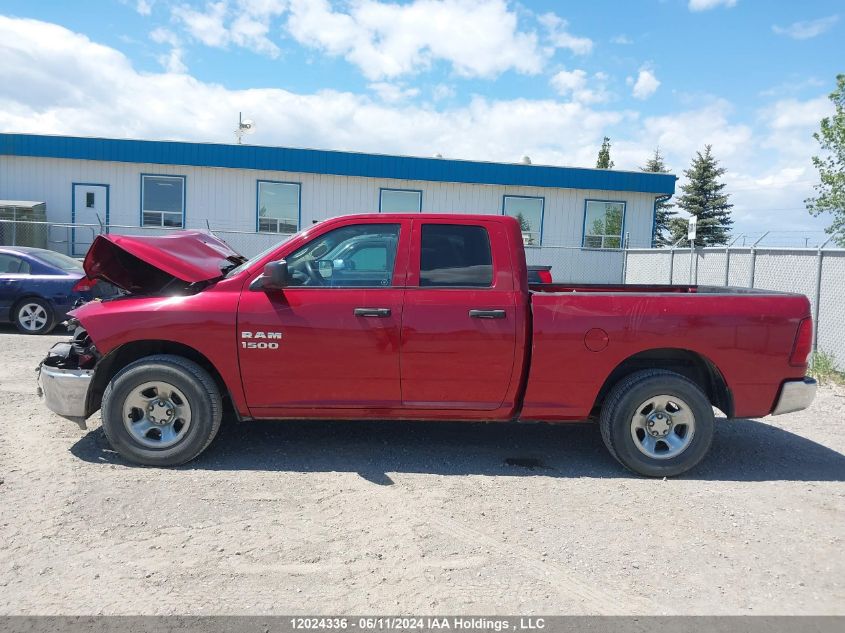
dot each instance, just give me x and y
(317, 517)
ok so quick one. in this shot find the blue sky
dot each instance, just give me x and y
(491, 80)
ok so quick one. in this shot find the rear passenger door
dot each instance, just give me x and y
(459, 322)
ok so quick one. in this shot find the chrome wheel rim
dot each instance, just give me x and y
(32, 316)
(663, 427)
(156, 414)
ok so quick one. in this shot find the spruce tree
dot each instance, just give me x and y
(663, 213)
(704, 197)
(831, 166)
(604, 161)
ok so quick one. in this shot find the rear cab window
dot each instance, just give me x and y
(455, 256)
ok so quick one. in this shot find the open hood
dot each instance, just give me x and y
(150, 264)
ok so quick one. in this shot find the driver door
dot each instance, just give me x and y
(330, 340)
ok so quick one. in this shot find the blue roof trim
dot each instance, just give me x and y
(331, 162)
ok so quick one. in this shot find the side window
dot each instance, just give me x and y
(13, 265)
(455, 255)
(357, 256)
(399, 201)
(278, 206)
(162, 200)
(603, 223)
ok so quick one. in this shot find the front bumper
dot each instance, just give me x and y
(795, 395)
(65, 391)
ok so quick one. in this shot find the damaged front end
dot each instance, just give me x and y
(65, 374)
(179, 263)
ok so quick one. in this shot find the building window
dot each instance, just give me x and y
(278, 206)
(399, 201)
(528, 211)
(89, 199)
(162, 201)
(603, 222)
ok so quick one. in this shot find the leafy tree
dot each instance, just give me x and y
(704, 197)
(663, 213)
(831, 166)
(523, 223)
(604, 161)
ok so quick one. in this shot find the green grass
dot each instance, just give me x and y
(824, 369)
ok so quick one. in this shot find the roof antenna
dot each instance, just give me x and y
(245, 126)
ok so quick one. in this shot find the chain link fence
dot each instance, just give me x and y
(818, 273)
(74, 239)
(570, 264)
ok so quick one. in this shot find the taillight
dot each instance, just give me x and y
(803, 343)
(84, 285)
(545, 276)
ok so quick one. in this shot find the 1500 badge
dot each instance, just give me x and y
(258, 340)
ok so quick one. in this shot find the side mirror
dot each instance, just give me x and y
(275, 277)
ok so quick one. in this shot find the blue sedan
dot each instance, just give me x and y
(38, 287)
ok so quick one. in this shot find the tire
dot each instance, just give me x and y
(33, 315)
(162, 410)
(657, 423)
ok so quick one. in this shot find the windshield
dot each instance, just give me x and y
(234, 271)
(60, 261)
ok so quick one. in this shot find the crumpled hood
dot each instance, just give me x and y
(149, 264)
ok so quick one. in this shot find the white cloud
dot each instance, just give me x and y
(144, 7)
(386, 40)
(392, 93)
(246, 24)
(559, 37)
(70, 85)
(621, 39)
(706, 5)
(644, 85)
(477, 38)
(792, 113)
(171, 61)
(807, 29)
(206, 26)
(578, 86)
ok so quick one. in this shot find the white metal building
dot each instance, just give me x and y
(273, 191)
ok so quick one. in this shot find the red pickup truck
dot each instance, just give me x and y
(424, 317)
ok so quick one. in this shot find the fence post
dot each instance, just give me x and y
(671, 264)
(626, 244)
(754, 257)
(728, 260)
(691, 251)
(672, 260)
(818, 298)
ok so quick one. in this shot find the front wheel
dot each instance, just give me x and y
(657, 423)
(161, 410)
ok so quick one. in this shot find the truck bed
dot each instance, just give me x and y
(581, 333)
(648, 289)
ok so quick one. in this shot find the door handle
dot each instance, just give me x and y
(372, 312)
(487, 314)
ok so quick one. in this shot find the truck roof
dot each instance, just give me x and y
(428, 216)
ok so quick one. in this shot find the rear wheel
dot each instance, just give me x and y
(34, 316)
(657, 423)
(162, 410)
